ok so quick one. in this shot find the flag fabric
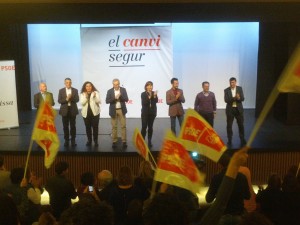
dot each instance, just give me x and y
(198, 135)
(45, 134)
(140, 144)
(176, 167)
(290, 77)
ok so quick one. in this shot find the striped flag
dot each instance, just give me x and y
(45, 134)
(140, 144)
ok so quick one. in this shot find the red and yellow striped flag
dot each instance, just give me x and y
(44, 133)
(176, 167)
(140, 144)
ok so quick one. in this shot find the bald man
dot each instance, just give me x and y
(42, 96)
(105, 184)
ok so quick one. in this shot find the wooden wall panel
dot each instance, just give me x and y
(261, 164)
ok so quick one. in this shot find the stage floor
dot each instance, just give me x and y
(273, 134)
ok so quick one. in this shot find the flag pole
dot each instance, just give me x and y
(152, 158)
(28, 155)
(271, 99)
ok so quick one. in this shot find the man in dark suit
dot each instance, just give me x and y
(42, 96)
(175, 98)
(68, 98)
(117, 97)
(234, 97)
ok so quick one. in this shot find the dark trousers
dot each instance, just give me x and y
(209, 117)
(91, 123)
(173, 122)
(147, 121)
(69, 120)
(234, 113)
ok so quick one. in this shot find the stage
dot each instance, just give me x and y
(273, 135)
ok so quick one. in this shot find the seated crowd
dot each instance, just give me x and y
(129, 200)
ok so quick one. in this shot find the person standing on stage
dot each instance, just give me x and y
(117, 97)
(234, 97)
(90, 101)
(68, 98)
(175, 98)
(42, 96)
(149, 110)
(206, 104)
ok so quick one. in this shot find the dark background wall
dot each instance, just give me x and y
(279, 34)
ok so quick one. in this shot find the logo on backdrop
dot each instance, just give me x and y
(131, 52)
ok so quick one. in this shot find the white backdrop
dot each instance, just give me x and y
(8, 97)
(109, 53)
(201, 51)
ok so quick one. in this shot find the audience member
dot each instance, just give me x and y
(87, 213)
(123, 194)
(46, 218)
(249, 205)
(255, 218)
(4, 175)
(34, 193)
(60, 189)
(291, 200)
(105, 184)
(269, 200)
(235, 207)
(9, 214)
(165, 209)
(18, 192)
(144, 179)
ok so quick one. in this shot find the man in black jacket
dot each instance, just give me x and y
(60, 189)
(234, 96)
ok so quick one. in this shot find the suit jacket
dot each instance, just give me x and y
(175, 105)
(62, 99)
(229, 99)
(38, 99)
(94, 104)
(110, 99)
(149, 105)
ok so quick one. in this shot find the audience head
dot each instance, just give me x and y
(87, 179)
(1, 161)
(17, 175)
(61, 167)
(105, 177)
(165, 209)
(46, 218)
(9, 214)
(87, 213)
(255, 218)
(290, 183)
(145, 169)
(274, 182)
(125, 176)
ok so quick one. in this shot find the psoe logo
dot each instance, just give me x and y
(7, 68)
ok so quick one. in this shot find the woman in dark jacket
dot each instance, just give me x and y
(149, 110)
